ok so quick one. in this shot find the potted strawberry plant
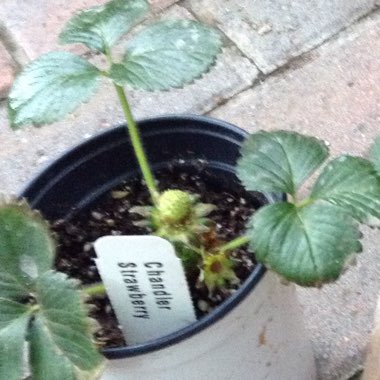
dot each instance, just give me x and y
(306, 241)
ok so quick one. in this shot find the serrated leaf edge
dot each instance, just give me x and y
(349, 260)
(12, 111)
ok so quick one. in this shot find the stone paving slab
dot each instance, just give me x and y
(36, 27)
(159, 5)
(6, 71)
(273, 32)
(333, 93)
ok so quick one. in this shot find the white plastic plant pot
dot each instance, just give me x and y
(257, 334)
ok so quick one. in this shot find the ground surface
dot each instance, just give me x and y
(308, 66)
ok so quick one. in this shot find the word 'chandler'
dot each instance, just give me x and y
(154, 273)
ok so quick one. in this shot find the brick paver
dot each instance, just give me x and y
(273, 32)
(7, 69)
(36, 24)
(159, 5)
(333, 94)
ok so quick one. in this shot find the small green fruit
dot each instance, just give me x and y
(174, 206)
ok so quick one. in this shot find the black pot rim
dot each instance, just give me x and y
(219, 312)
(220, 125)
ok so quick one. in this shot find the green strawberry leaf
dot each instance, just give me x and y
(61, 339)
(167, 55)
(11, 286)
(51, 87)
(352, 183)
(101, 27)
(375, 154)
(14, 319)
(279, 161)
(308, 245)
(26, 249)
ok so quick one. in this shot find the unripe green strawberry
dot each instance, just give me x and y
(174, 206)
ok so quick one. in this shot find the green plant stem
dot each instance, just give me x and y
(95, 290)
(235, 243)
(137, 144)
(135, 136)
(304, 202)
(34, 309)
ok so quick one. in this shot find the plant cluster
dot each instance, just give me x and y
(308, 241)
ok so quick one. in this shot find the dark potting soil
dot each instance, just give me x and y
(111, 216)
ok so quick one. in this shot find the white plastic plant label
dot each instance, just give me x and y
(146, 284)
